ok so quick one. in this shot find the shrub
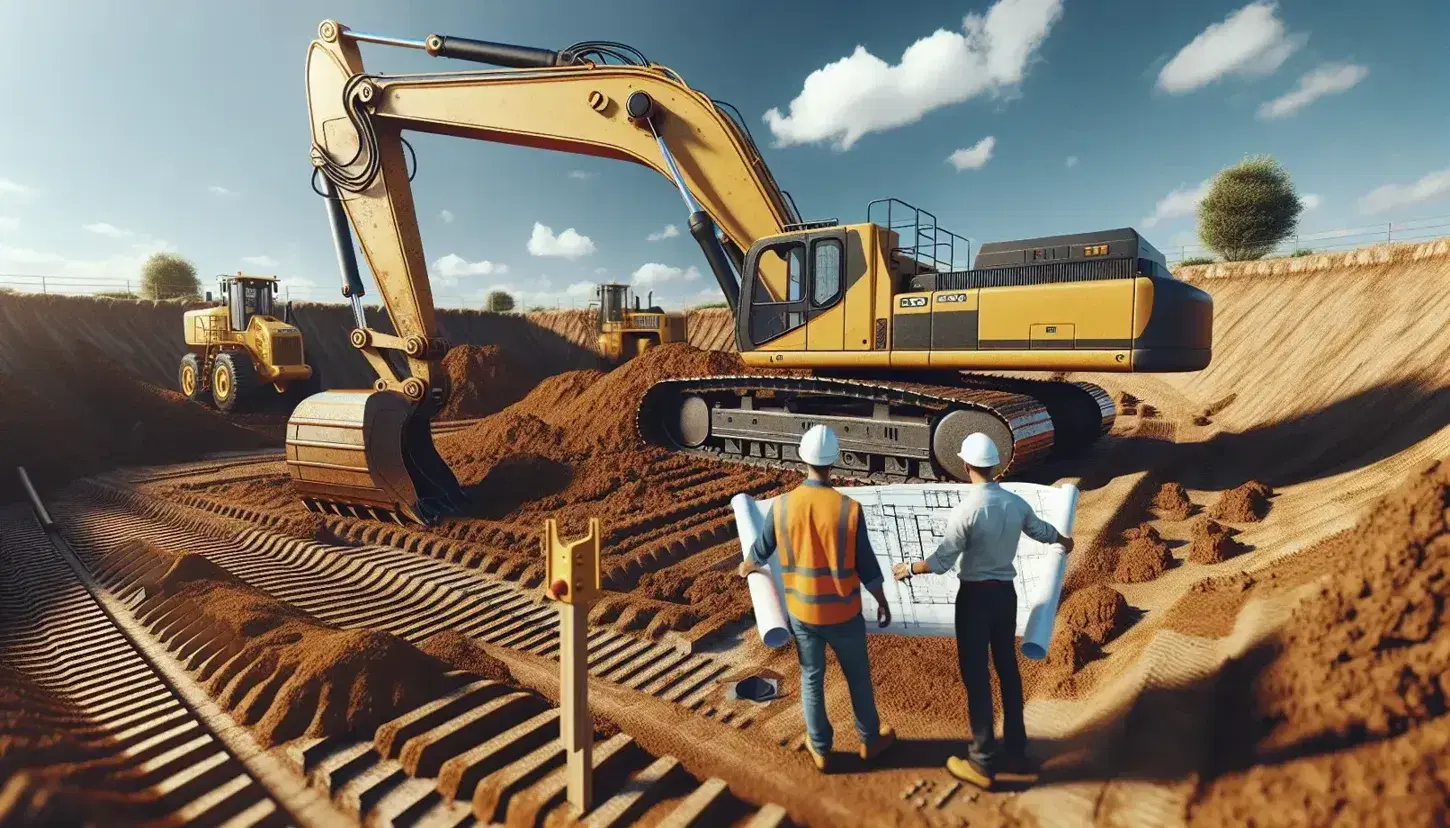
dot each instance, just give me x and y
(499, 301)
(1195, 260)
(168, 276)
(1303, 251)
(1250, 209)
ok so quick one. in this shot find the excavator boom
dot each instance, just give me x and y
(859, 305)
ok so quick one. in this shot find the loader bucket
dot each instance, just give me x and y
(367, 454)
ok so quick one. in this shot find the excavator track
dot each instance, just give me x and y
(890, 431)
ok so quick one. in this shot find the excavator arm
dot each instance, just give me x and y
(343, 446)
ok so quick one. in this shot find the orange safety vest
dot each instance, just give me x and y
(815, 534)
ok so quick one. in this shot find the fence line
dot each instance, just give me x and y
(1345, 237)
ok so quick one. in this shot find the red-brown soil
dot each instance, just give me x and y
(484, 379)
(1144, 558)
(1172, 503)
(1341, 715)
(1247, 503)
(282, 672)
(1212, 542)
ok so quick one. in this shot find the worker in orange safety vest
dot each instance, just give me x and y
(825, 560)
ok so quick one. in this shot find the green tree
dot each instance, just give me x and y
(499, 301)
(168, 276)
(1251, 208)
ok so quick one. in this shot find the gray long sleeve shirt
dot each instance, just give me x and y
(983, 531)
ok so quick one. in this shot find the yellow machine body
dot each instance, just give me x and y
(240, 345)
(625, 332)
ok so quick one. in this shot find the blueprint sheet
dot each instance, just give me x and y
(906, 523)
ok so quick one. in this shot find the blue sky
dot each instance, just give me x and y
(182, 126)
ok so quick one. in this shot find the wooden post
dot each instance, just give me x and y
(572, 579)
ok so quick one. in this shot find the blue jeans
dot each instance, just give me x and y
(848, 640)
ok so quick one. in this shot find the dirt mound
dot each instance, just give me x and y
(68, 413)
(554, 395)
(1344, 711)
(1212, 542)
(1098, 612)
(485, 379)
(1144, 558)
(1247, 503)
(603, 417)
(282, 672)
(463, 653)
(473, 451)
(1172, 503)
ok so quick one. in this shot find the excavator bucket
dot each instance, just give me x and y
(367, 454)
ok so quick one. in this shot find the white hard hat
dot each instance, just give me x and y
(819, 446)
(979, 451)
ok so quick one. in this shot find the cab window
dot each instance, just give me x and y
(826, 271)
(771, 317)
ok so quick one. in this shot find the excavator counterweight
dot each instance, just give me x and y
(888, 330)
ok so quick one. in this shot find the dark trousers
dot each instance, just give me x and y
(987, 618)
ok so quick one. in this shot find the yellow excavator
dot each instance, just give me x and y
(626, 332)
(238, 347)
(880, 313)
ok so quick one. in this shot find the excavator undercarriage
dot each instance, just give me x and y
(889, 430)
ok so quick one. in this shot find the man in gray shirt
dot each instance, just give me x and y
(983, 532)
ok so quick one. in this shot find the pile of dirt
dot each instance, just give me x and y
(1171, 502)
(463, 653)
(323, 681)
(1212, 542)
(718, 594)
(1144, 558)
(1342, 716)
(68, 413)
(1098, 612)
(552, 396)
(484, 380)
(1247, 503)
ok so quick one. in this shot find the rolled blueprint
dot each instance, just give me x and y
(770, 615)
(1038, 634)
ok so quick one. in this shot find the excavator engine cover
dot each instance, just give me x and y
(368, 454)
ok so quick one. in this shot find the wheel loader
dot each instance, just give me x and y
(900, 342)
(625, 333)
(239, 347)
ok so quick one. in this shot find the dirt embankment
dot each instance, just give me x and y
(75, 411)
(1342, 715)
(709, 329)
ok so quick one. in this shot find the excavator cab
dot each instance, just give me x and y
(248, 296)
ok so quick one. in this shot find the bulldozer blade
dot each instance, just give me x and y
(367, 454)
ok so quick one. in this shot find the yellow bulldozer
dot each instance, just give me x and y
(239, 346)
(625, 333)
(906, 345)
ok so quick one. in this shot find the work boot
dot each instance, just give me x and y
(968, 771)
(821, 760)
(884, 739)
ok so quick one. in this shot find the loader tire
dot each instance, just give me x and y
(233, 379)
(189, 380)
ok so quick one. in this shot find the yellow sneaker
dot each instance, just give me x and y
(885, 739)
(964, 770)
(820, 759)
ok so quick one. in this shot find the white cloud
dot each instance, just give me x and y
(580, 290)
(974, 157)
(447, 216)
(1071, 161)
(1183, 201)
(452, 266)
(654, 274)
(101, 228)
(217, 189)
(7, 223)
(1311, 201)
(580, 175)
(261, 261)
(12, 188)
(669, 232)
(861, 93)
(600, 271)
(1250, 42)
(89, 275)
(1432, 187)
(568, 244)
(1325, 79)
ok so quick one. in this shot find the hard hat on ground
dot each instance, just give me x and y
(819, 446)
(979, 451)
